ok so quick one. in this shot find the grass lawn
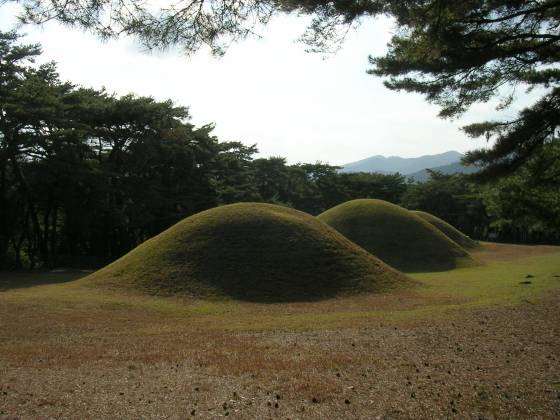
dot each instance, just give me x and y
(480, 341)
(400, 237)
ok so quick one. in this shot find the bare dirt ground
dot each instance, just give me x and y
(119, 361)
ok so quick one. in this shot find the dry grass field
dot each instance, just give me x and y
(477, 342)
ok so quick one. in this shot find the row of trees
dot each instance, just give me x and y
(455, 53)
(86, 176)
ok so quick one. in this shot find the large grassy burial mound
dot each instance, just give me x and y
(250, 251)
(451, 232)
(395, 235)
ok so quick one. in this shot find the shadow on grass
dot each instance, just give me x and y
(10, 280)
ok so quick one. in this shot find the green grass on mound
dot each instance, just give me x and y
(454, 234)
(249, 251)
(395, 235)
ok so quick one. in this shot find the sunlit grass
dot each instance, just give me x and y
(496, 283)
(438, 294)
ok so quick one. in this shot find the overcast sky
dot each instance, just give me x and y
(269, 91)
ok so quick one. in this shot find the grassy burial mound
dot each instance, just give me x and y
(454, 234)
(250, 251)
(395, 235)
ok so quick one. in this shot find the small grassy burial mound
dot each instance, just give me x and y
(454, 234)
(395, 235)
(250, 251)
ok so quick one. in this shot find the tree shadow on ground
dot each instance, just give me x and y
(21, 279)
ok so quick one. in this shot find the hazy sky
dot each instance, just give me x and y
(269, 91)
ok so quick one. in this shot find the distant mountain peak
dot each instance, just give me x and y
(452, 168)
(392, 164)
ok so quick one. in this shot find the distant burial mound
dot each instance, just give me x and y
(250, 251)
(395, 235)
(454, 234)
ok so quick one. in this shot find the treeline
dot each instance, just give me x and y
(85, 176)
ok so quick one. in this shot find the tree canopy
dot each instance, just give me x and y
(460, 53)
(454, 53)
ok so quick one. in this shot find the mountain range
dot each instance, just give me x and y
(415, 168)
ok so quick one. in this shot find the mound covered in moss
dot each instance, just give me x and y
(250, 251)
(395, 235)
(454, 234)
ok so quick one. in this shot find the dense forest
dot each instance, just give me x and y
(86, 175)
